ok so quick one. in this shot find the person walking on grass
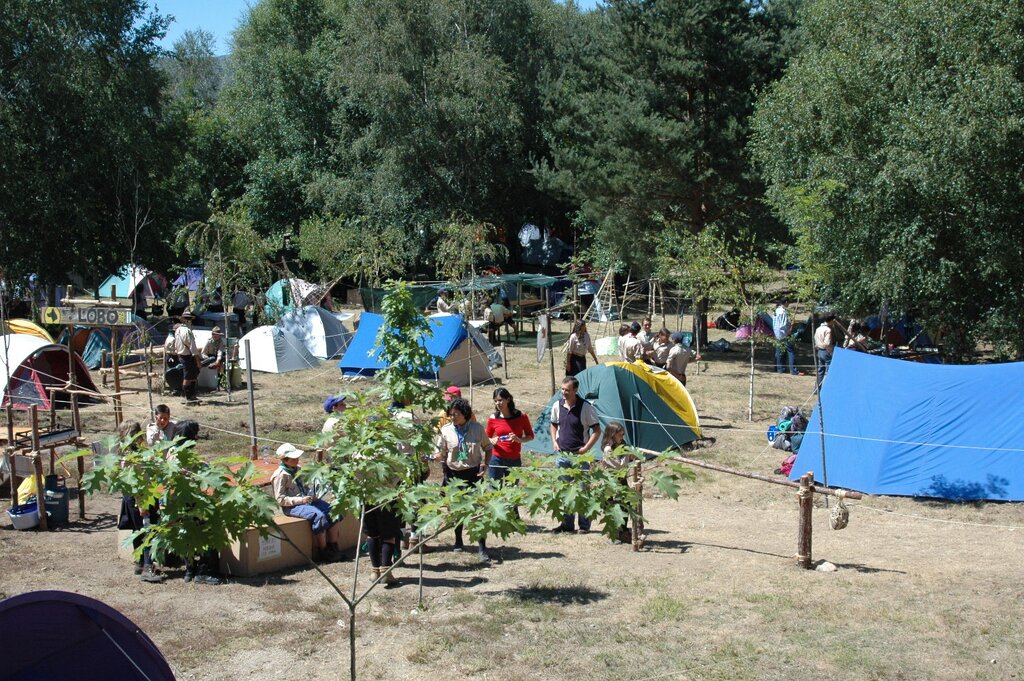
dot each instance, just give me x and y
(576, 352)
(824, 345)
(507, 430)
(782, 328)
(463, 445)
(574, 430)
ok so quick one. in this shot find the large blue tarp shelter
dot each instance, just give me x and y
(921, 430)
(463, 360)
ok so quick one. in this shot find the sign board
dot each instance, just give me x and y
(87, 316)
(270, 547)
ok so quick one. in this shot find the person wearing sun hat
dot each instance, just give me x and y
(291, 494)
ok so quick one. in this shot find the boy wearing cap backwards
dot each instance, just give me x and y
(291, 495)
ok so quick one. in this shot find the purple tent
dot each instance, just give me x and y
(59, 635)
(190, 278)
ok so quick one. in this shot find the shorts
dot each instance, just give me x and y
(191, 367)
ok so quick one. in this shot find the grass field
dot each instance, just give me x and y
(923, 590)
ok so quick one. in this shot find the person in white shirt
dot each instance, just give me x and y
(824, 344)
(679, 357)
(184, 346)
(782, 328)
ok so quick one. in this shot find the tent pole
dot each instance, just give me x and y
(117, 377)
(252, 404)
(551, 352)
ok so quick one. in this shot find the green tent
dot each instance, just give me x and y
(654, 418)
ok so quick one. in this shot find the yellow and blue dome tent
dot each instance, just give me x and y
(655, 409)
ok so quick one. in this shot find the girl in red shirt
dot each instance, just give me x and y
(507, 429)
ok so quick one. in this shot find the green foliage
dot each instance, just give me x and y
(233, 254)
(202, 505)
(402, 342)
(648, 120)
(342, 247)
(893, 146)
(86, 147)
(463, 245)
(728, 269)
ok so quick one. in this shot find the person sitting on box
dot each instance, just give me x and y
(291, 495)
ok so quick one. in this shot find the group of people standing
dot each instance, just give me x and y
(664, 349)
(184, 357)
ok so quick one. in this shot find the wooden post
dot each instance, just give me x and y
(117, 378)
(252, 404)
(638, 518)
(10, 454)
(34, 420)
(77, 419)
(805, 498)
(149, 376)
(37, 464)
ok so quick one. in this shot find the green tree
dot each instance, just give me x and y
(86, 147)
(202, 504)
(893, 148)
(648, 120)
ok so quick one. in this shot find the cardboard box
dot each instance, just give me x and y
(253, 555)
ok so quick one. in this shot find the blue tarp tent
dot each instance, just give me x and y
(60, 635)
(463, 360)
(921, 430)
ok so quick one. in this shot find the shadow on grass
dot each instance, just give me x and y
(510, 553)
(572, 594)
(862, 568)
(667, 546)
(99, 523)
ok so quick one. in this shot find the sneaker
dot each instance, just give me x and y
(151, 577)
(581, 531)
(137, 569)
(213, 580)
(331, 556)
(188, 576)
(562, 528)
(458, 548)
(484, 558)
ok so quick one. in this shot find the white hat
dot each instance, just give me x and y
(288, 451)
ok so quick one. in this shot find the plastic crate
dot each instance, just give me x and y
(24, 516)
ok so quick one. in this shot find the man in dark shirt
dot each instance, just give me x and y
(572, 418)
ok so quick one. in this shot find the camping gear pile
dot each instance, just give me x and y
(788, 434)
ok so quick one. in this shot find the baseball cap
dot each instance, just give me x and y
(288, 451)
(452, 392)
(334, 400)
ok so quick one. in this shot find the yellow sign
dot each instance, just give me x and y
(87, 316)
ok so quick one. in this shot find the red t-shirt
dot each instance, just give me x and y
(518, 426)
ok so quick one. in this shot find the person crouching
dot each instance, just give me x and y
(291, 495)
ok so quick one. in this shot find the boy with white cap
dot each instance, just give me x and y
(291, 495)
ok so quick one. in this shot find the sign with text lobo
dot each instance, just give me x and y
(87, 316)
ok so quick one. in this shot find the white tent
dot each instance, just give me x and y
(320, 331)
(275, 351)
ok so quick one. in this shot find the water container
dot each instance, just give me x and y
(56, 498)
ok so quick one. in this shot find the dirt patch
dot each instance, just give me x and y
(923, 590)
